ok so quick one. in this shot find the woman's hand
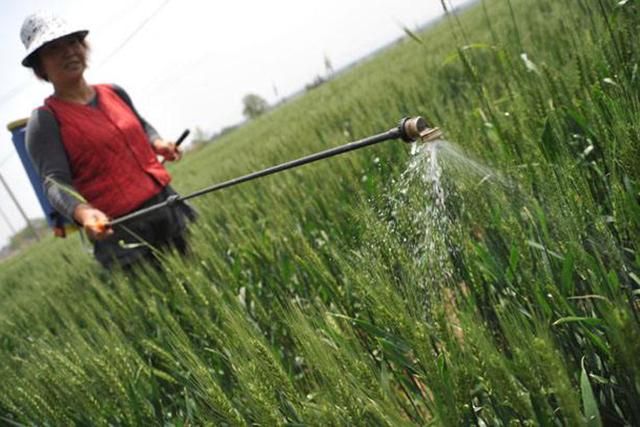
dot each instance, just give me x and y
(94, 221)
(167, 149)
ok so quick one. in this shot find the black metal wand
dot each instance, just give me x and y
(409, 130)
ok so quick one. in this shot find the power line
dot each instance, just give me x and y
(134, 32)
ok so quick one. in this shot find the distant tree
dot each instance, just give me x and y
(200, 137)
(254, 106)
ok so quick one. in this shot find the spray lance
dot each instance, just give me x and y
(410, 129)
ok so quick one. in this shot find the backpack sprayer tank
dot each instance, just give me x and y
(59, 224)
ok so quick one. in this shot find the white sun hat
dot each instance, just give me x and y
(41, 28)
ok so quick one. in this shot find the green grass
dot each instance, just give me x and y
(327, 295)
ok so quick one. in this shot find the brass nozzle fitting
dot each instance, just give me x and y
(416, 128)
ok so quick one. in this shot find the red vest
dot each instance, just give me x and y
(112, 163)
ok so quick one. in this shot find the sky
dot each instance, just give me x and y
(188, 63)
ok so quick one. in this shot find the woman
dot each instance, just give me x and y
(95, 154)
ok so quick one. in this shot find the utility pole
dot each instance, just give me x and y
(24, 215)
(6, 219)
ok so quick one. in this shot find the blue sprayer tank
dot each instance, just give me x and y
(57, 222)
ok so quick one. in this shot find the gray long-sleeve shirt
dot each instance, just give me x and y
(49, 157)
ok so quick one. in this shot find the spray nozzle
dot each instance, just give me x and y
(416, 128)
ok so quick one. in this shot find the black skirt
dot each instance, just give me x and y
(137, 239)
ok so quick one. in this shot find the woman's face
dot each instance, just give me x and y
(63, 60)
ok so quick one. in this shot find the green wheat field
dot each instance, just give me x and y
(490, 279)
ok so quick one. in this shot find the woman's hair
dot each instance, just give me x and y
(36, 63)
